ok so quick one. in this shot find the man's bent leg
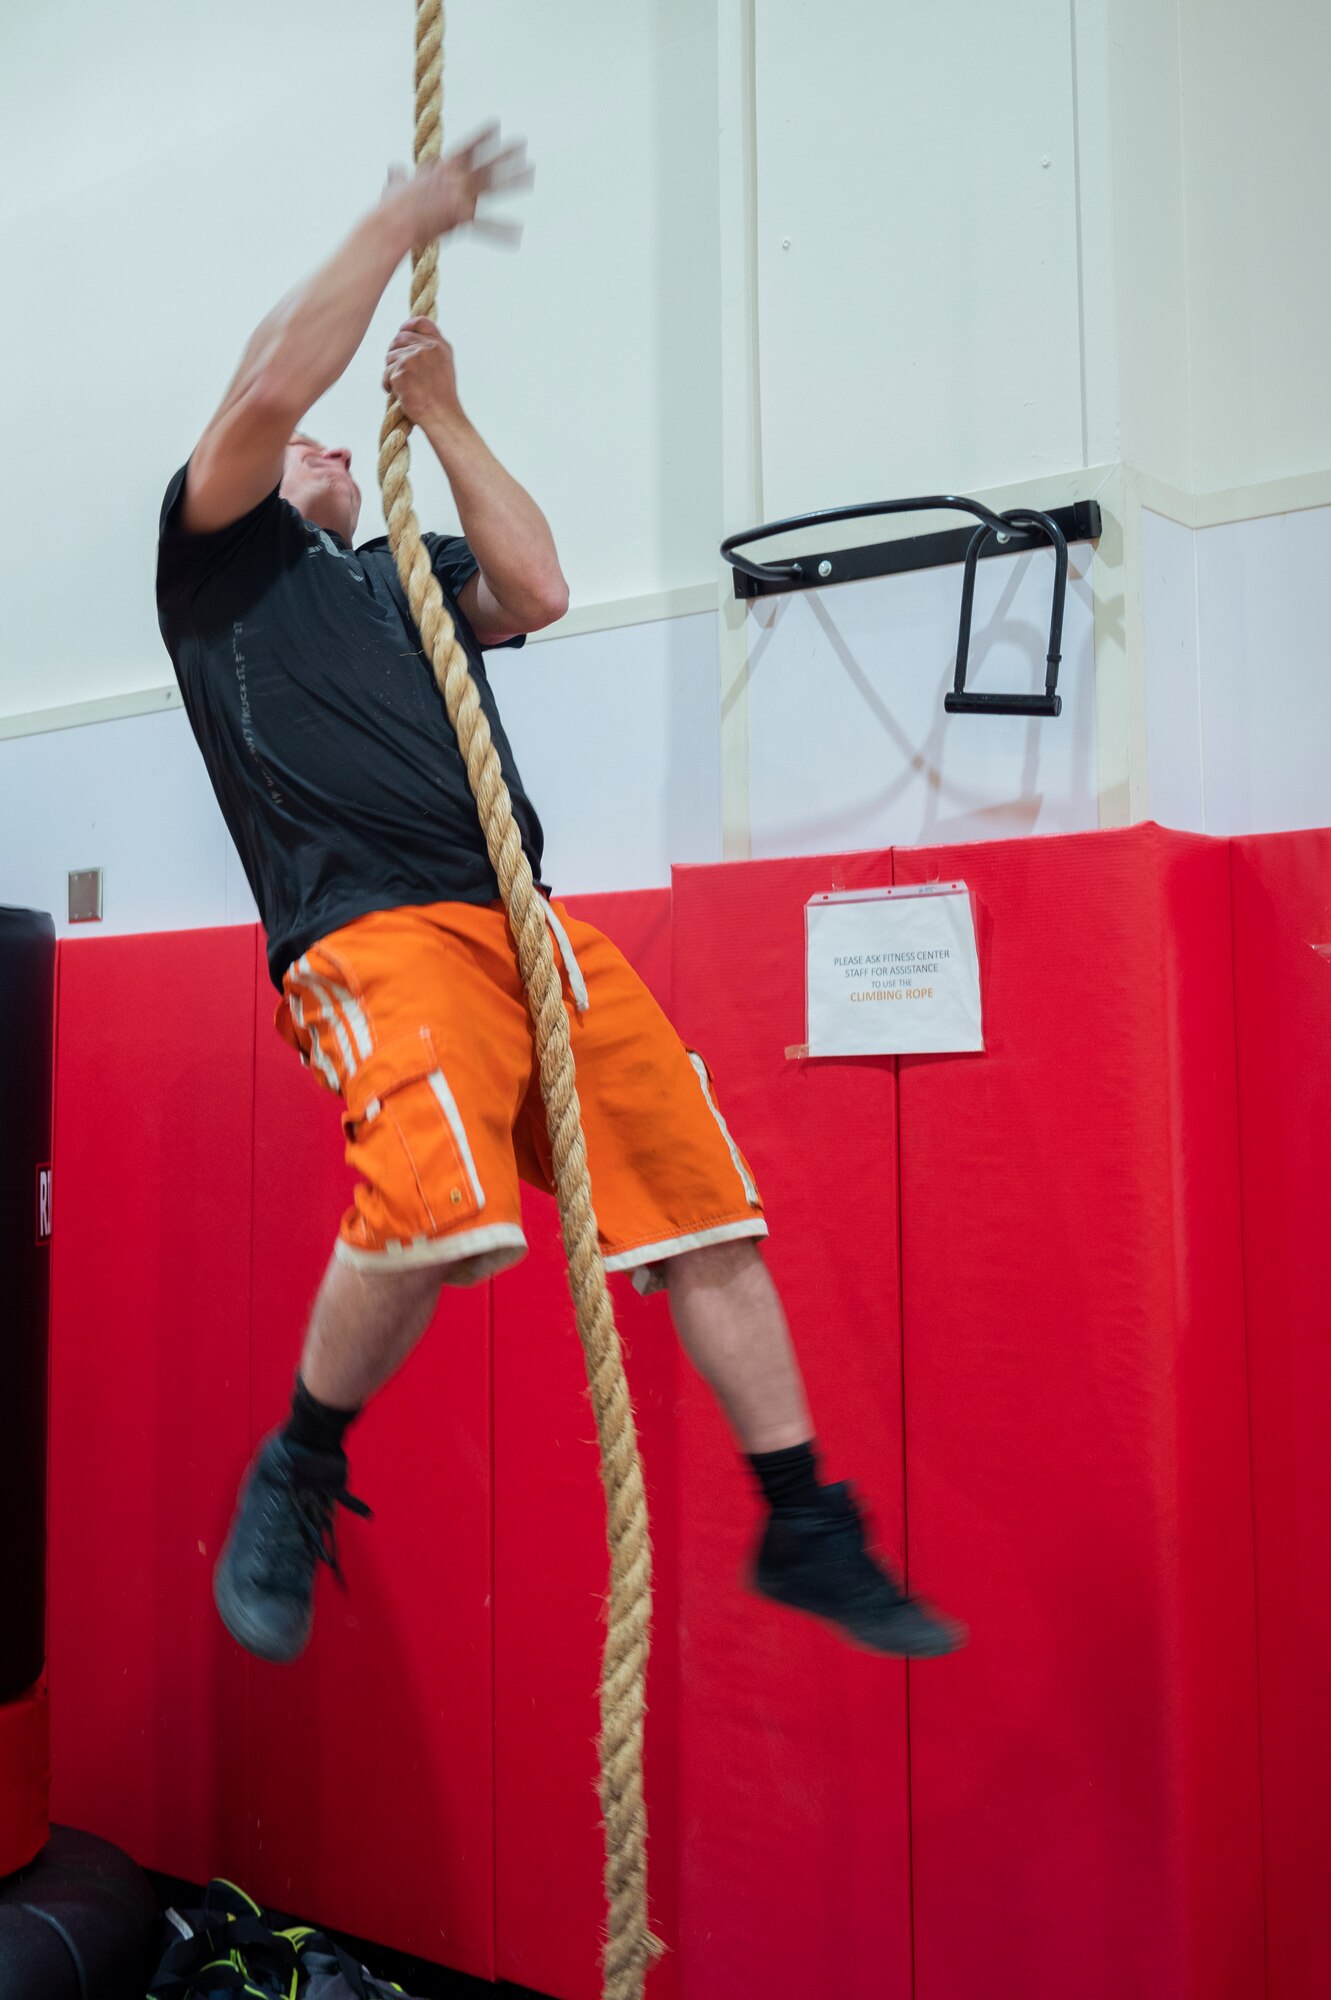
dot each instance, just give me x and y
(416, 1019)
(813, 1556)
(364, 1325)
(733, 1328)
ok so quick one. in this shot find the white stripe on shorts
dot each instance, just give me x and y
(356, 1020)
(317, 1056)
(448, 1103)
(746, 1178)
(318, 991)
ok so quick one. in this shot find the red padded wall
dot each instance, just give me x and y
(372, 1782)
(1282, 981)
(1056, 1225)
(1085, 1775)
(550, 1579)
(793, 1771)
(149, 1380)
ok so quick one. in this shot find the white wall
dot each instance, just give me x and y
(850, 745)
(1173, 674)
(870, 283)
(613, 732)
(1239, 673)
(1265, 648)
(131, 798)
(1223, 190)
(918, 308)
(939, 308)
(1143, 176)
(1258, 178)
(168, 170)
(615, 735)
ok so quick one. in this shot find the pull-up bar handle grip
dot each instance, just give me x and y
(1002, 704)
(963, 702)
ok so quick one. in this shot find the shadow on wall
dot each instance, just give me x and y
(850, 744)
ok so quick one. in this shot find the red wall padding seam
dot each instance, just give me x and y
(149, 1367)
(550, 1580)
(792, 1747)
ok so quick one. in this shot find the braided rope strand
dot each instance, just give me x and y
(630, 1947)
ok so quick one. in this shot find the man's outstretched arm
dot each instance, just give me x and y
(301, 348)
(520, 586)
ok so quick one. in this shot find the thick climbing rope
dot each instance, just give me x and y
(629, 1946)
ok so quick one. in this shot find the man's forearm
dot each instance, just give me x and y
(508, 534)
(306, 342)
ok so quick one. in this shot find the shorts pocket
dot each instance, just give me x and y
(405, 1135)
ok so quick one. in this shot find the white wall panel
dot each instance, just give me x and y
(1143, 168)
(1173, 677)
(1265, 647)
(850, 746)
(129, 797)
(169, 170)
(917, 248)
(1258, 198)
(615, 735)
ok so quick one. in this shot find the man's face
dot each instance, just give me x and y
(317, 481)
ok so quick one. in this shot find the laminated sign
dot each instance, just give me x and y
(893, 972)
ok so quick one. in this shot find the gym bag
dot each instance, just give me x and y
(229, 1947)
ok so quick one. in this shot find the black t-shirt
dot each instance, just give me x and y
(328, 744)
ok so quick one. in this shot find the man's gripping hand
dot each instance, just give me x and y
(518, 585)
(419, 372)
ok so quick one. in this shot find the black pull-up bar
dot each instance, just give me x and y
(1011, 533)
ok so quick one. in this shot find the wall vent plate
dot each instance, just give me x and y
(85, 895)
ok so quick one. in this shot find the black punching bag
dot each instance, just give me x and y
(27, 990)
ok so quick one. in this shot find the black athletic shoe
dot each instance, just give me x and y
(263, 1585)
(816, 1561)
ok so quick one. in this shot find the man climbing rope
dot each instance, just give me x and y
(340, 778)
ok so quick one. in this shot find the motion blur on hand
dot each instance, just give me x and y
(444, 195)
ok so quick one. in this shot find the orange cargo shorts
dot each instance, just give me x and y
(417, 1019)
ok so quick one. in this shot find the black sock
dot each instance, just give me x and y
(314, 1425)
(789, 1478)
